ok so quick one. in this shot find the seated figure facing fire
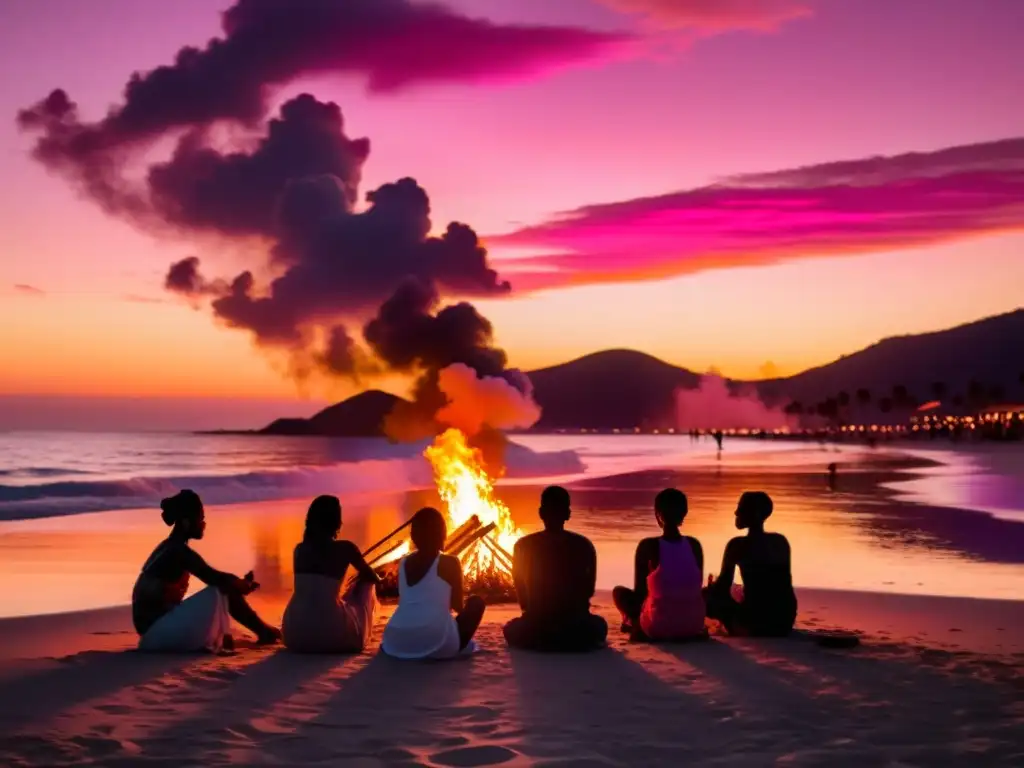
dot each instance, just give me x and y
(555, 573)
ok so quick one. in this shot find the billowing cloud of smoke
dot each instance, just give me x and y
(712, 406)
(266, 44)
(290, 184)
(714, 15)
(412, 332)
(834, 209)
(476, 403)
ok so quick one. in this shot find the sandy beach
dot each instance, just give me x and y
(936, 681)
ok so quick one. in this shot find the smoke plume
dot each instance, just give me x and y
(712, 406)
(193, 151)
(475, 403)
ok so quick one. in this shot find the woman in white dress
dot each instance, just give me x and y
(429, 590)
(317, 620)
(164, 619)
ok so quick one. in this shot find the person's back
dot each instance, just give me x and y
(764, 563)
(318, 619)
(429, 589)
(421, 625)
(768, 606)
(674, 608)
(555, 572)
(666, 601)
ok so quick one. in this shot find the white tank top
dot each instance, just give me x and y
(422, 625)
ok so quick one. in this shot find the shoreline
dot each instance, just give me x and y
(859, 535)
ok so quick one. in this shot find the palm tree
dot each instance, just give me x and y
(885, 405)
(795, 408)
(939, 389)
(843, 398)
(863, 396)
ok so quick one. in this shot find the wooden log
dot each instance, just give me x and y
(390, 536)
(386, 552)
(463, 532)
(501, 557)
(472, 539)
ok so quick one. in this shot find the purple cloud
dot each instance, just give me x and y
(859, 206)
(266, 44)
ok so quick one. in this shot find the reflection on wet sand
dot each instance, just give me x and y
(857, 536)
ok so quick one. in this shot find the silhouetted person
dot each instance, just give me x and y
(719, 437)
(767, 605)
(429, 589)
(163, 617)
(832, 470)
(555, 573)
(316, 620)
(666, 602)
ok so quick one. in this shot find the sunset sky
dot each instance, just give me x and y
(719, 184)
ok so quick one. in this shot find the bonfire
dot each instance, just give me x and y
(480, 529)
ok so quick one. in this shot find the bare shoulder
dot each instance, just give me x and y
(736, 545)
(346, 548)
(647, 544)
(449, 565)
(582, 546)
(779, 540)
(525, 543)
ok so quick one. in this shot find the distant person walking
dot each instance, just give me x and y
(666, 602)
(555, 573)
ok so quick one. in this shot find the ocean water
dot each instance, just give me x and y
(78, 512)
(44, 474)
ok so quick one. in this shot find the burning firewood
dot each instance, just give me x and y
(483, 530)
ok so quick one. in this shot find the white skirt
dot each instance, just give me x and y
(198, 623)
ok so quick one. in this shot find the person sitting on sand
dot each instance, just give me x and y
(555, 572)
(316, 620)
(666, 602)
(429, 589)
(766, 605)
(164, 619)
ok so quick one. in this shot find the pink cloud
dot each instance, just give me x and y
(859, 206)
(714, 15)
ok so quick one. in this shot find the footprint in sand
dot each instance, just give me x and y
(471, 757)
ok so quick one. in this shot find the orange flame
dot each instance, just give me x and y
(466, 489)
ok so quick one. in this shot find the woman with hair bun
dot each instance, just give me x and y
(318, 619)
(164, 619)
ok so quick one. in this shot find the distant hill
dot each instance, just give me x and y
(989, 352)
(624, 389)
(619, 388)
(359, 416)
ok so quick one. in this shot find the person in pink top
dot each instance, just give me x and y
(666, 602)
